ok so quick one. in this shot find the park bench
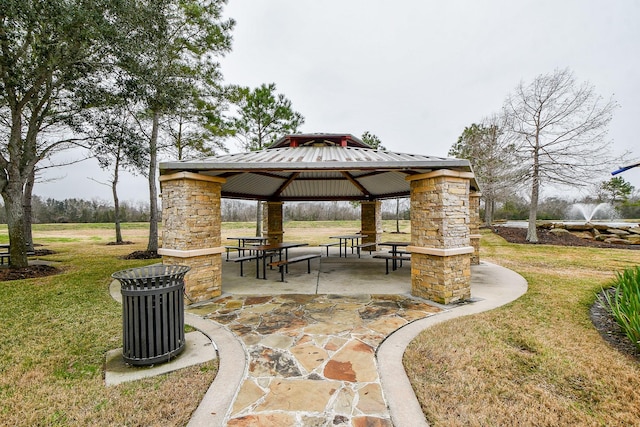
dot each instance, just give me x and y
(393, 258)
(284, 263)
(329, 244)
(5, 257)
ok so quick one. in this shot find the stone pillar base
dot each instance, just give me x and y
(443, 279)
(274, 237)
(272, 229)
(371, 221)
(204, 281)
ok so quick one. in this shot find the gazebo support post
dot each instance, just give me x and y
(440, 245)
(272, 222)
(474, 226)
(191, 231)
(371, 221)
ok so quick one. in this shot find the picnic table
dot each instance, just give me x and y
(245, 242)
(4, 253)
(262, 252)
(344, 240)
(5, 256)
(395, 255)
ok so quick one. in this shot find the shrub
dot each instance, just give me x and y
(624, 302)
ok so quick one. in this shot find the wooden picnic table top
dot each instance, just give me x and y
(394, 243)
(349, 236)
(274, 246)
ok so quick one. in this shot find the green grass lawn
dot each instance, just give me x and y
(55, 332)
(536, 361)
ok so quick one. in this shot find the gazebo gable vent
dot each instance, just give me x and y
(319, 140)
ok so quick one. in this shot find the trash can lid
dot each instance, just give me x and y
(152, 271)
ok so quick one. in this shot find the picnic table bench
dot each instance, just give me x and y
(367, 246)
(393, 258)
(329, 244)
(5, 256)
(283, 263)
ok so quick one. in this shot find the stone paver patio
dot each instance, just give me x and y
(312, 357)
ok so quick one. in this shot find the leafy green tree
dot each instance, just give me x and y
(197, 128)
(262, 116)
(169, 61)
(116, 144)
(372, 140)
(492, 157)
(616, 190)
(48, 51)
(560, 127)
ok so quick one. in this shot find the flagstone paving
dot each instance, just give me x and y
(312, 357)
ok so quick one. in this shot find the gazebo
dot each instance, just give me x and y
(323, 167)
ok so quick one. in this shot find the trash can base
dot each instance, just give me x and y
(146, 361)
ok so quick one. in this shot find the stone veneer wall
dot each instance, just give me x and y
(272, 222)
(371, 221)
(191, 231)
(440, 244)
(474, 226)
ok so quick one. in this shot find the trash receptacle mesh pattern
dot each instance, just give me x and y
(152, 313)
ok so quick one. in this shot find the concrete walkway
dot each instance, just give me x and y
(320, 349)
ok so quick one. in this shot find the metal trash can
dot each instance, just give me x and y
(152, 313)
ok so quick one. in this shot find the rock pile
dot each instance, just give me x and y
(600, 232)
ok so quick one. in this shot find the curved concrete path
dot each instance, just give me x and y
(491, 287)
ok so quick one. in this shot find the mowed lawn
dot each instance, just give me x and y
(537, 361)
(55, 332)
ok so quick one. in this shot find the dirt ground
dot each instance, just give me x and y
(519, 235)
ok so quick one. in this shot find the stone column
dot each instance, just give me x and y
(272, 229)
(474, 226)
(371, 221)
(440, 245)
(191, 227)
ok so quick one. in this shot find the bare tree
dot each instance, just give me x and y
(561, 131)
(491, 153)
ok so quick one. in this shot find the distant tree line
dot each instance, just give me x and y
(48, 211)
(516, 208)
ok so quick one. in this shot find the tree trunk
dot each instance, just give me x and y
(153, 191)
(13, 202)
(489, 206)
(532, 231)
(116, 202)
(28, 211)
(13, 184)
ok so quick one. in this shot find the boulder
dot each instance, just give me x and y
(617, 232)
(634, 239)
(559, 232)
(578, 227)
(617, 241)
(584, 235)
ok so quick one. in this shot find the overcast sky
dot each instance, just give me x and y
(415, 73)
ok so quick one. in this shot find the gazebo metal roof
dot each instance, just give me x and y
(317, 166)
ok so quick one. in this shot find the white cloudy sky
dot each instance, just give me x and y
(415, 73)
